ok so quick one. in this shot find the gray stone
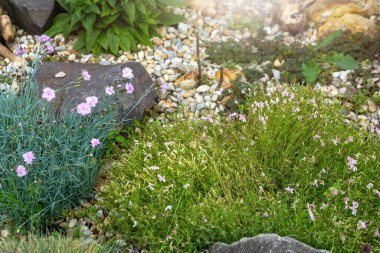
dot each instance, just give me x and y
(265, 243)
(101, 76)
(34, 16)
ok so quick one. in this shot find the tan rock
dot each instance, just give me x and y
(202, 4)
(324, 9)
(353, 22)
(225, 100)
(228, 74)
(189, 76)
(157, 41)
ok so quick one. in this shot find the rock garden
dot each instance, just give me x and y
(189, 126)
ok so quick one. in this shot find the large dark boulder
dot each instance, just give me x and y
(266, 243)
(130, 105)
(34, 16)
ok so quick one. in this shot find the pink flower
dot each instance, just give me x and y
(28, 157)
(161, 178)
(86, 76)
(109, 90)
(43, 38)
(266, 215)
(352, 162)
(21, 171)
(164, 86)
(127, 73)
(92, 101)
(209, 118)
(95, 142)
(20, 51)
(350, 139)
(369, 186)
(362, 225)
(48, 94)
(129, 88)
(242, 118)
(19, 124)
(232, 116)
(289, 189)
(376, 234)
(285, 93)
(49, 49)
(84, 109)
(169, 207)
(335, 192)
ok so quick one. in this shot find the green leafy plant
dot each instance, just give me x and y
(113, 25)
(359, 100)
(186, 184)
(343, 61)
(310, 71)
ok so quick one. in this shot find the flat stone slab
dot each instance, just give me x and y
(34, 16)
(101, 77)
(265, 243)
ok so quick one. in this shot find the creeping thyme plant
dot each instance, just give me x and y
(48, 162)
(285, 163)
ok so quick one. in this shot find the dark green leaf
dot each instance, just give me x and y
(345, 62)
(310, 71)
(175, 3)
(102, 40)
(329, 39)
(88, 22)
(59, 22)
(170, 19)
(80, 41)
(130, 12)
(91, 38)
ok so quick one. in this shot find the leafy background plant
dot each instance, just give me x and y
(339, 51)
(113, 25)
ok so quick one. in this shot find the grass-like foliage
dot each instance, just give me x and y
(47, 244)
(286, 163)
(108, 26)
(65, 164)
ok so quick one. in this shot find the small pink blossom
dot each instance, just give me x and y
(20, 51)
(128, 73)
(362, 225)
(350, 139)
(242, 118)
(109, 90)
(95, 142)
(351, 163)
(164, 86)
(231, 116)
(21, 171)
(129, 88)
(48, 94)
(261, 189)
(369, 186)
(285, 93)
(288, 189)
(43, 38)
(92, 101)
(209, 118)
(161, 178)
(49, 49)
(336, 140)
(266, 214)
(28, 157)
(376, 234)
(86, 76)
(335, 192)
(19, 124)
(168, 208)
(84, 109)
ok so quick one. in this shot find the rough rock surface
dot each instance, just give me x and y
(353, 22)
(266, 243)
(34, 16)
(321, 10)
(101, 76)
